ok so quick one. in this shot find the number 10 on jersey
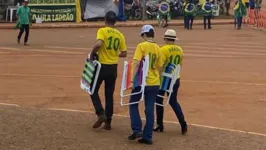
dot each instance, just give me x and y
(113, 43)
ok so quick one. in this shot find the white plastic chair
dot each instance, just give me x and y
(90, 75)
(145, 68)
(10, 9)
(172, 75)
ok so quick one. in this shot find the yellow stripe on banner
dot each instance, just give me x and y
(78, 11)
(202, 2)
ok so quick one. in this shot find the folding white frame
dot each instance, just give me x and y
(91, 88)
(172, 76)
(145, 69)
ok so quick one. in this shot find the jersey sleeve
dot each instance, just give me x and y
(138, 53)
(123, 46)
(160, 59)
(100, 35)
(163, 55)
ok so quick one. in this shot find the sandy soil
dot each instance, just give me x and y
(223, 84)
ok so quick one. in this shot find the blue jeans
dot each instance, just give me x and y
(207, 20)
(185, 19)
(189, 21)
(239, 22)
(150, 94)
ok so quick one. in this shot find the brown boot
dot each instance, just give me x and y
(107, 126)
(101, 119)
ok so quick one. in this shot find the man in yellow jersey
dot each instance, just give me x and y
(109, 46)
(148, 47)
(171, 54)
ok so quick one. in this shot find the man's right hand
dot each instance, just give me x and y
(93, 57)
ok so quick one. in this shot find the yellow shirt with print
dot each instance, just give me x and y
(153, 50)
(173, 54)
(113, 43)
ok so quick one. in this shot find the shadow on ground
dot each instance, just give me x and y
(35, 129)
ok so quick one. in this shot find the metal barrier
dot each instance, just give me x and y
(256, 18)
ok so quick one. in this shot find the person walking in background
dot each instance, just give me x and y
(109, 46)
(164, 13)
(190, 13)
(227, 6)
(239, 12)
(148, 47)
(171, 54)
(24, 19)
(207, 14)
(185, 16)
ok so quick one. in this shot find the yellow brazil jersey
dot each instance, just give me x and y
(153, 50)
(172, 53)
(113, 43)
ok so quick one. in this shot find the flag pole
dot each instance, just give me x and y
(143, 10)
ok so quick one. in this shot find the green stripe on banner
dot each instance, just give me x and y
(90, 66)
(87, 78)
(90, 74)
(89, 69)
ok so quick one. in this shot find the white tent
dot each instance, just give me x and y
(98, 8)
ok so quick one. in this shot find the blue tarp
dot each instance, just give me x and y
(121, 11)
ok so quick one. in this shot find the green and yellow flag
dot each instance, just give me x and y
(240, 9)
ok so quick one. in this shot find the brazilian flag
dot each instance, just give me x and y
(190, 10)
(240, 9)
(165, 81)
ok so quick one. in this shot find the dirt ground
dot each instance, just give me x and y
(50, 130)
(223, 84)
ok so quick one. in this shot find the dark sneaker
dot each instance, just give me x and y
(107, 126)
(142, 141)
(159, 128)
(184, 128)
(101, 119)
(18, 41)
(135, 136)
